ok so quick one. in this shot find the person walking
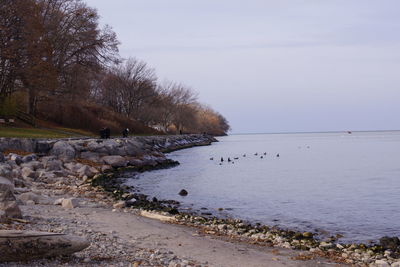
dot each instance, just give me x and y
(125, 132)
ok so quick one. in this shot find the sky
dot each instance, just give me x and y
(272, 66)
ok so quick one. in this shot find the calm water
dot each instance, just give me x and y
(334, 182)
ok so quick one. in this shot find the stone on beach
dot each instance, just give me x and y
(70, 203)
(24, 246)
(27, 172)
(2, 158)
(63, 149)
(86, 171)
(115, 161)
(29, 196)
(29, 158)
(119, 205)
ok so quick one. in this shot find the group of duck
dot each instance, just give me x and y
(244, 155)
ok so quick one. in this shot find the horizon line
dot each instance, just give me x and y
(310, 132)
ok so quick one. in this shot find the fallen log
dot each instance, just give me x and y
(27, 245)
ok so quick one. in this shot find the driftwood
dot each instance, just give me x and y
(25, 246)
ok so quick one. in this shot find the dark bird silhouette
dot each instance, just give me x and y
(277, 155)
(261, 157)
(229, 159)
(265, 153)
(244, 155)
(211, 158)
(236, 158)
(256, 154)
(222, 159)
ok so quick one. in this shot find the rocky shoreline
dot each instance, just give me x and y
(385, 252)
(86, 173)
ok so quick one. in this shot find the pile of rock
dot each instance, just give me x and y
(61, 162)
(46, 169)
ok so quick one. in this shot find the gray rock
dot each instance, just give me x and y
(2, 158)
(28, 173)
(29, 158)
(381, 263)
(115, 161)
(135, 162)
(34, 165)
(5, 170)
(25, 246)
(112, 145)
(106, 168)
(86, 171)
(97, 147)
(22, 144)
(90, 156)
(8, 202)
(29, 196)
(62, 149)
(73, 167)
(46, 159)
(54, 165)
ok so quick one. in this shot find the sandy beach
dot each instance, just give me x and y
(120, 237)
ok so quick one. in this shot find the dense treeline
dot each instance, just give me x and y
(53, 53)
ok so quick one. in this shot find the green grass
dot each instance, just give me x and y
(37, 133)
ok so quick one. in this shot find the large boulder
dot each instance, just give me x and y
(8, 202)
(63, 149)
(134, 148)
(26, 246)
(112, 146)
(93, 156)
(97, 147)
(115, 161)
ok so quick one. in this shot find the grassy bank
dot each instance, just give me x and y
(22, 132)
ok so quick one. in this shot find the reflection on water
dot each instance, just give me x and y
(337, 182)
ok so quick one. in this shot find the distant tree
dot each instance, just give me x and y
(129, 88)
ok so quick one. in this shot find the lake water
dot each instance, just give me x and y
(334, 182)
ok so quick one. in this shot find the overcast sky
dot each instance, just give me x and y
(272, 66)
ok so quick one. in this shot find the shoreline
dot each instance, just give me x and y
(111, 195)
